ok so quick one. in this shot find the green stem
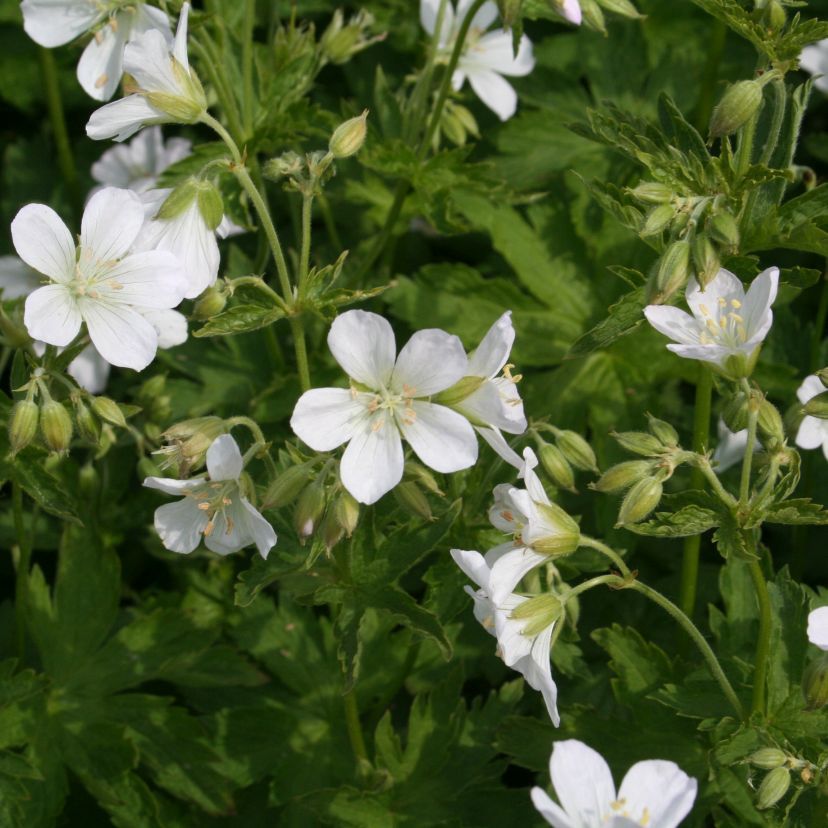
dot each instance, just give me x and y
(613, 581)
(354, 729)
(251, 425)
(747, 462)
(247, 66)
(304, 256)
(779, 100)
(608, 551)
(21, 593)
(819, 326)
(701, 436)
(744, 152)
(330, 223)
(300, 347)
(57, 116)
(210, 61)
(701, 462)
(760, 672)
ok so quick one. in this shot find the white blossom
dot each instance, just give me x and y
(99, 282)
(570, 10)
(727, 325)
(814, 59)
(818, 628)
(486, 57)
(52, 23)
(813, 431)
(388, 400)
(656, 793)
(731, 447)
(213, 508)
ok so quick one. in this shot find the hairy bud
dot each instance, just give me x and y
(770, 424)
(672, 272)
(640, 501)
(658, 219)
(56, 426)
(349, 137)
(738, 105)
(557, 467)
(23, 424)
(663, 432)
(724, 230)
(706, 260)
(639, 442)
(108, 410)
(410, 496)
(577, 451)
(309, 509)
(768, 758)
(346, 511)
(774, 786)
(286, 487)
(651, 192)
(735, 412)
(620, 477)
(87, 422)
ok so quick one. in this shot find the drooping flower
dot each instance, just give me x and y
(727, 325)
(814, 59)
(818, 628)
(213, 508)
(99, 281)
(523, 627)
(387, 401)
(486, 57)
(101, 66)
(167, 89)
(813, 431)
(655, 792)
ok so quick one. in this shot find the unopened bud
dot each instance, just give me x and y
(770, 424)
(210, 204)
(23, 424)
(823, 376)
(458, 392)
(411, 497)
(145, 467)
(774, 786)
(735, 412)
(557, 467)
(706, 260)
(509, 11)
(651, 192)
(639, 442)
(346, 511)
(87, 422)
(672, 272)
(286, 487)
(658, 219)
(309, 509)
(724, 231)
(539, 612)
(56, 426)
(108, 410)
(623, 7)
(815, 683)
(577, 451)
(89, 481)
(738, 105)
(349, 137)
(330, 531)
(663, 432)
(768, 758)
(775, 16)
(592, 15)
(817, 406)
(210, 303)
(555, 533)
(640, 501)
(620, 477)
(423, 476)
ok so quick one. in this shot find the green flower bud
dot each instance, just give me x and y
(424, 477)
(309, 509)
(23, 424)
(620, 477)
(340, 42)
(592, 15)
(705, 260)
(509, 11)
(815, 683)
(108, 410)
(639, 442)
(672, 272)
(823, 376)
(770, 424)
(650, 192)
(286, 487)
(640, 501)
(658, 219)
(663, 432)
(577, 451)
(87, 422)
(561, 532)
(210, 303)
(145, 467)
(540, 612)
(89, 481)
(774, 786)
(458, 392)
(330, 530)
(178, 200)
(817, 406)
(724, 231)
(768, 758)
(738, 105)
(346, 511)
(410, 496)
(557, 467)
(623, 7)
(210, 204)
(56, 426)
(735, 412)
(349, 137)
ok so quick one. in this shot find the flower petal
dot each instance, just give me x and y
(494, 91)
(52, 315)
(123, 118)
(171, 486)
(714, 354)
(52, 23)
(673, 323)
(170, 325)
(325, 418)
(147, 59)
(110, 224)
(493, 351)
(474, 565)
(658, 791)
(152, 279)
(758, 300)
(180, 44)
(228, 532)
(443, 439)
(431, 361)
(373, 461)
(44, 242)
(818, 628)
(508, 566)
(810, 387)
(102, 62)
(720, 291)
(550, 811)
(571, 11)
(495, 51)
(89, 370)
(483, 18)
(582, 781)
(813, 432)
(259, 529)
(224, 459)
(363, 344)
(17, 279)
(180, 525)
(122, 336)
(537, 670)
(498, 442)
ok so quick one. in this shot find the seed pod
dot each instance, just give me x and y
(672, 272)
(663, 432)
(557, 467)
(658, 219)
(738, 105)
(349, 137)
(56, 426)
(622, 476)
(108, 410)
(639, 442)
(410, 496)
(651, 192)
(286, 487)
(23, 424)
(705, 260)
(817, 406)
(774, 786)
(640, 501)
(724, 230)
(768, 758)
(577, 451)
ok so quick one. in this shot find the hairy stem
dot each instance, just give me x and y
(760, 672)
(304, 256)
(354, 728)
(210, 63)
(747, 462)
(608, 551)
(301, 350)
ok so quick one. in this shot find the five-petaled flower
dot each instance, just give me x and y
(388, 400)
(727, 325)
(486, 56)
(656, 793)
(213, 508)
(813, 431)
(99, 281)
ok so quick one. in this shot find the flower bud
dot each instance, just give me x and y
(555, 533)
(770, 424)
(672, 272)
(89, 481)
(623, 7)
(768, 758)
(639, 442)
(458, 392)
(706, 260)
(557, 467)
(108, 410)
(639, 501)
(87, 422)
(774, 786)
(622, 476)
(663, 432)
(346, 511)
(577, 451)
(410, 496)
(424, 477)
(188, 443)
(724, 230)
(56, 426)
(658, 219)
(650, 192)
(509, 11)
(817, 406)
(815, 683)
(823, 376)
(23, 424)
(540, 612)
(210, 204)
(330, 530)
(286, 487)
(309, 509)
(592, 15)
(145, 467)
(210, 303)
(349, 137)
(735, 412)
(738, 105)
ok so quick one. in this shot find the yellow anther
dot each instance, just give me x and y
(735, 303)
(230, 525)
(645, 817)
(205, 507)
(101, 81)
(704, 310)
(208, 529)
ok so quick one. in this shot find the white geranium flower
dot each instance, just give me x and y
(522, 642)
(167, 89)
(495, 405)
(55, 22)
(388, 400)
(99, 281)
(213, 508)
(814, 59)
(727, 325)
(486, 56)
(813, 431)
(818, 628)
(656, 793)
(731, 447)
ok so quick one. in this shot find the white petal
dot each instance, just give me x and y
(17, 278)
(537, 670)
(813, 432)
(731, 447)
(224, 459)
(505, 513)
(498, 442)
(443, 439)
(44, 242)
(229, 530)
(758, 300)
(714, 354)
(493, 351)
(147, 59)
(658, 791)
(325, 418)
(818, 628)
(673, 323)
(582, 781)
(483, 608)
(171, 486)
(428, 18)
(508, 566)
(513, 646)
(170, 325)
(474, 565)
(180, 44)
(123, 118)
(102, 63)
(483, 18)
(261, 532)
(571, 11)
(110, 224)
(720, 290)
(180, 525)
(550, 811)
(146, 17)
(431, 361)
(363, 344)
(495, 52)
(52, 23)
(373, 461)
(122, 336)
(151, 279)
(89, 370)
(496, 92)
(489, 406)
(52, 315)
(810, 387)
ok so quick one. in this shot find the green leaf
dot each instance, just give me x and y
(240, 319)
(788, 645)
(624, 317)
(28, 472)
(349, 644)
(688, 513)
(262, 573)
(796, 512)
(731, 540)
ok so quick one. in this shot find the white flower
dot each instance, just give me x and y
(167, 89)
(17, 279)
(495, 405)
(53, 23)
(99, 282)
(818, 628)
(731, 447)
(656, 793)
(522, 643)
(137, 165)
(814, 59)
(214, 508)
(486, 57)
(388, 400)
(727, 326)
(813, 431)
(570, 10)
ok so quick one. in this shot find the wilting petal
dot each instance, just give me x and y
(224, 460)
(147, 59)
(582, 781)
(431, 361)
(496, 92)
(51, 314)
(325, 418)
(487, 407)
(443, 439)
(657, 791)
(44, 242)
(180, 42)
(180, 525)
(373, 461)
(121, 335)
(363, 344)
(537, 670)
(102, 62)
(818, 628)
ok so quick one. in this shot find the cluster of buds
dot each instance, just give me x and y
(643, 480)
(770, 428)
(341, 41)
(187, 443)
(456, 123)
(780, 767)
(592, 11)
(568, 453)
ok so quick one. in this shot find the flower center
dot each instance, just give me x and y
(726, 327)
(213, 499)
(620, 807)
(386, 402)
(91, 275)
